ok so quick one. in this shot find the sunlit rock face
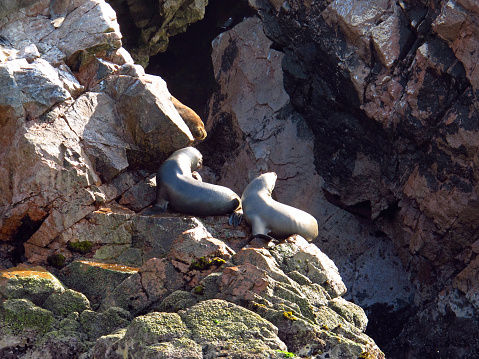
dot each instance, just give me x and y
(367, 110)
(80, 124)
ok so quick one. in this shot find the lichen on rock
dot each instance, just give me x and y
(66, 302)
(33, 283)
(22, 317)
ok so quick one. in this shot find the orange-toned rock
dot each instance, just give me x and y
(95, 279)
(29, 282)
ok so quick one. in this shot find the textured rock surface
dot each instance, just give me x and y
(202, 299)
(263, 132)
(221, 328)
(148, 26)
(72, 138)
(388, 94)
(367, 112)
(33, 283)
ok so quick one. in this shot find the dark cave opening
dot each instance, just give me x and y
(13, 253)
(186, 65)
(385, 323)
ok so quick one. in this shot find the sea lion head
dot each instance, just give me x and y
(266, 182)
(194, 156)
(192, 120)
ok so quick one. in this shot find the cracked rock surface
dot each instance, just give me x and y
(259, 301)
(384, 100)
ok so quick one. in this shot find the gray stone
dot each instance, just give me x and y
(96, 324)
(94, 279)
(66, 302)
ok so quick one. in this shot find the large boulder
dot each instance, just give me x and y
(78, 122)
(26, 282)
(207, 330)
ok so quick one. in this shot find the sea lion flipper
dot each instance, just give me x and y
(152, 211)
(258, 227)
(161, 202)
(161, 205)
(261, 236)
(236, 218)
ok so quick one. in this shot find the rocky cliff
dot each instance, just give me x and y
(85, 273)
(367, 112)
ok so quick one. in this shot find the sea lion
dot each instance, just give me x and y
(267, 216)
(182, 189)
(58, 11)
(192, 120)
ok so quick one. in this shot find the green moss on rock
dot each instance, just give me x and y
(353, 313)
(56, 260)
(205, 263)
(33, 283)
(19, 315)
(96, 324)
(286, 354)
(199, 290)
(82, 247)
(176, 301)
(155, 328)
(177, 348)
(94, 279)
(69, 301)
(236, 328)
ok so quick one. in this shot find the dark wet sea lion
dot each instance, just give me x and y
(182, 190)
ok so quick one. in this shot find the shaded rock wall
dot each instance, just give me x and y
(147, 25)
(254, 128)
